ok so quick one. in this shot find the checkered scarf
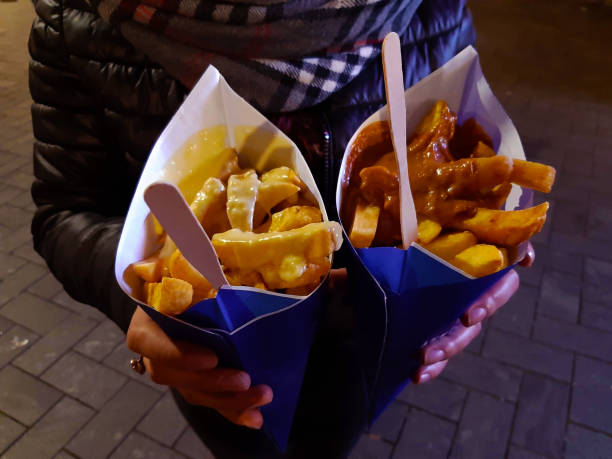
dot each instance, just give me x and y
(280, 55)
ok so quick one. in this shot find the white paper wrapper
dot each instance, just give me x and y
(259, 144)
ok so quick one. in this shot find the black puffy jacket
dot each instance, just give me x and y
(99, 105)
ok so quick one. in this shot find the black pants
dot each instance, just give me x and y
(331, 413)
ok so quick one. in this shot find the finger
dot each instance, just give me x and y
(529, 256)
(215, 380)
(251, 418)
(146, 338)
(492, 299)
(451, 344)
(429, 372)
(337, 278)
(236, 402)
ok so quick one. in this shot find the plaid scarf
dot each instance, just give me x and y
(280, 55)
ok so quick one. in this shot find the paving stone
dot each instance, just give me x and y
(51, 433)
(47, 287)
(484, 428)
(13, 217)
(101, 341)
(20, 179)
(517, 314)
(560, 296)
(14, 342)
(10, 241)
(164, 423)
(138, 446)
(598, 281)
(559, 261)
(586, 444)
(19, 280)
(528, 354)
(371, 447)
(119, 359)
(8, 193)
(390, 422)
(84, 379)
(9, 431)
(439, 396)
(5, 324)
(27, 251)
(48, 349)
(13, 165)
(22, 200)
(520, 453)
(574, 337)
(23, 397)
(599, 223)
(114, 421)
(9, 264)
(596, 315)
(484, 374)
(542, 412)
(592, 394)
(424, 435)
(64, 455)
(191, 446)
(580, 245)
(34, 313)
(570, 217)
(80, 308)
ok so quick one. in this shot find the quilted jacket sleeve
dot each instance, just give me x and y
(80, 187)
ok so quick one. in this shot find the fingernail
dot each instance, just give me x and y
(424, 378)
(477, 315)
(434, 355)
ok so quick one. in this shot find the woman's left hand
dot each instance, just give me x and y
(435, 355)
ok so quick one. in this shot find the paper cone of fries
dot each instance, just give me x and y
(266, 333)
(406, 297)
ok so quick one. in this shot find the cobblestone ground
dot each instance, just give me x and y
(537, 383)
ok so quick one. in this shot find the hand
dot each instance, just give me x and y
(193, 371)
(435, 355)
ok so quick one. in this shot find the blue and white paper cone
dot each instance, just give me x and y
(404, 298)
(269, 335)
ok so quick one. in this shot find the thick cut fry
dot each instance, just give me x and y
(270, 194)
(505, 228)
(466, 177)
(165, 253)
(241, 250)
(282, 174)
(480, 260)
(212, 194)
(294, 217)
(245, 277)
(449, 245)
(378, 182)
(170, 296)
(149, 270)
(428, 230)
(294, 271)
(180, 268)
(536, 176)
(231, 165)
(364, 225)
(482, 150)
(241, 196)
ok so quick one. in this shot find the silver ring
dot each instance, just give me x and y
(138, 365)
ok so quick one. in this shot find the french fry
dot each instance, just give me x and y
(149, 269)
(180, 268)
(364, 225)
(466, 177)
(294, 217)
(536, 176)
(428, 230)
(170, 296)
(241, 196)
(450, 244)
(505, 228)
(480, 260)
(294, 271)
(482, 150)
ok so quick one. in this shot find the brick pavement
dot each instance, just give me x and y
(536, 384)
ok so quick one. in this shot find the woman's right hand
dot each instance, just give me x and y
(193, 371)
